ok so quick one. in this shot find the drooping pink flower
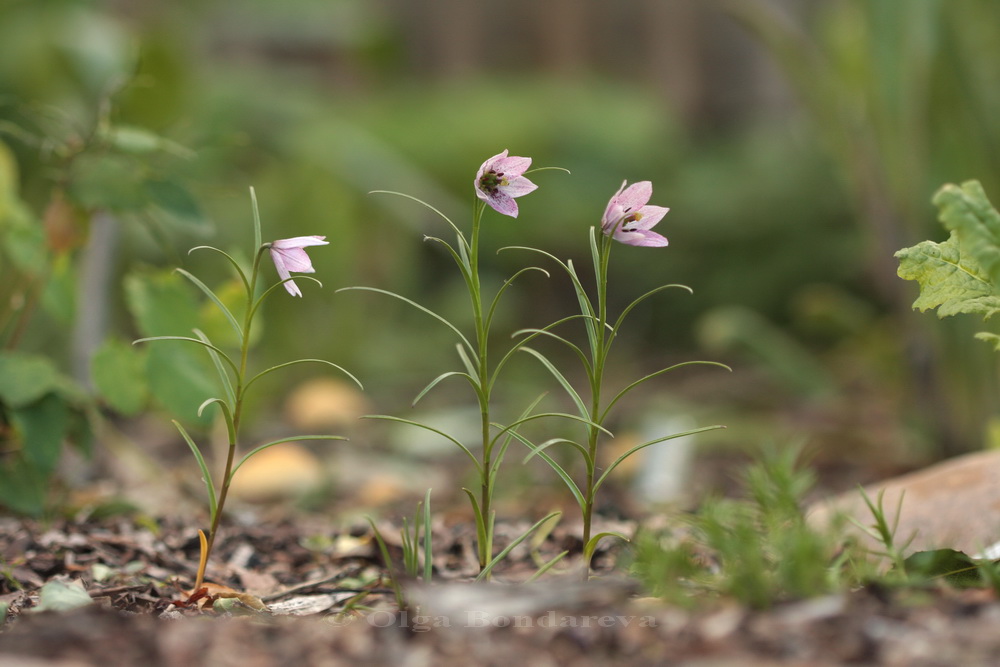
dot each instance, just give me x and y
(629, 219)
(289, 255)
(499, 181)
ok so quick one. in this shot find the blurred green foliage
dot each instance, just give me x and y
(159, 116)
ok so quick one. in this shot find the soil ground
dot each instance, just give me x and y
(137, 574)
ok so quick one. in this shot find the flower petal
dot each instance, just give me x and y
(518, 187)
(642, 237)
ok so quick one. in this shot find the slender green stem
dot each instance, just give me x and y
(599, 351)
(485, 549)
(238, 407)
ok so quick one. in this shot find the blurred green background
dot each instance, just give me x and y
(797, 143)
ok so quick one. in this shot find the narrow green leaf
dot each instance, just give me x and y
(482, 533)
(215, 299)
(546, 567)
(591, 546)
(559, 470)
(628, 309)
(188, 339)
(465, 244)
(503, 288)
(206, 476)
(301, 361)
(236, 265)
(416, 305)
(224, 378)
(295, 438)
(257, 237)
(393, 577)
(641, 380)
(433, 383)
(428, 542)
(561, 379)
(465, 449)
(633, 450)
(510, 547)
(227, 415)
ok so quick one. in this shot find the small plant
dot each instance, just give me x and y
(414, 551)
(759, 550)
(627, 219)
(288, 255)
(498, 182)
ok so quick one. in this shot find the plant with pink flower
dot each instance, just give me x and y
(498, 182)
(628, 218)
(289, 256)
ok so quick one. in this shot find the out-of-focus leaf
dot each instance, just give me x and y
(162, 303)
(25, 378)
(8, 181)
(58, 595)
(41, 427)
(59, 295)
(107, 181)
(179, 205)
(118, 372)
(215, 324)
(180, 377)
(140, 141)
(958, 568)
(950, 279)
(22, 487)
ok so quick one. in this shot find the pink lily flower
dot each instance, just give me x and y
(288, 256)
(629, 219)
(500, 180)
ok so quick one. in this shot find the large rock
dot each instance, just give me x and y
(954, 504)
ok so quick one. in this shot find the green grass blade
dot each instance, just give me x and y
(559, 470)
(458, 231)
(591, 546)
(393, 578)
(227, 414)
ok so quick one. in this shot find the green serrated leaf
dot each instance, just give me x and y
(966, 211)
(950, 280)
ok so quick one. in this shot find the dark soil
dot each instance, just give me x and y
(329, 603)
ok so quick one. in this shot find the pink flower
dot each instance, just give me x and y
(629, 219)
(288, 256)
(499, 180)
